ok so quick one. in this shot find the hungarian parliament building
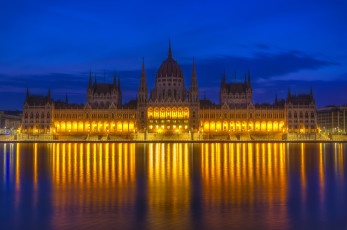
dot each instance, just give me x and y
(169, 108)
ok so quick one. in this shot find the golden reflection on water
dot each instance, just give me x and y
(93, 165)
(224, 178)
(230, 172)
(168, 176)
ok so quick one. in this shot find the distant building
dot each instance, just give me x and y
(333, 119)
(301, 113)
(103, 95)
(10, 120)
(170, 107)
(37, 113)
(236, 93)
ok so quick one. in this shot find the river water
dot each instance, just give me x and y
(173, 186)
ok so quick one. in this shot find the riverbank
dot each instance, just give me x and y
(175, 141)
(182, 138)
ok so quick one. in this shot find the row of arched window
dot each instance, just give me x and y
(168, 113)
(301, 115)
(37, 116)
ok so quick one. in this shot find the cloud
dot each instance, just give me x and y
(262, 46)
(267, 65)
(269, 71)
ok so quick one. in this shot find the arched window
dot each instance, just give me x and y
(37, 116)
(26, 115)
(48, 115)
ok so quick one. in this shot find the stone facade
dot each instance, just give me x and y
(103, 95)
(169, 108)
(37, 113)
(249, 118)
(236, 93)
(301, 113)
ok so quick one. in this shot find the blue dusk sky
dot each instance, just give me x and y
(294, 44)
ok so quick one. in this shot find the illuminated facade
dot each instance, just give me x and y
(169, 108)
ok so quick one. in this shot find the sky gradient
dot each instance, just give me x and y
(285, 44)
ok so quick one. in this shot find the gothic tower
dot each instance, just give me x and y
(143, 89)
(194, 102)
(142, 99)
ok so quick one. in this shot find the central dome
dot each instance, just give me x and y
(169, 82)
(169, 67)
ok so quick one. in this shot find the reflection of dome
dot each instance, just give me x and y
(169, 68)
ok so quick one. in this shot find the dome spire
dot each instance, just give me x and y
(170, 53)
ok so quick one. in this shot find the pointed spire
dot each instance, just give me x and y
(143, 88)
(289, 95)
(223, 79)
(311, 93)
(193, 89)
(143, 73)
(90, 80)
(170, 53)
(245, 79)
(193, 71)
(95, 77)
(118, 82)
(66, 100)
(276, 101)
(49, 93)
(193, 77)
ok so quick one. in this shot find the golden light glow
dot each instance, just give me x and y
(223, 174)
(168, 113)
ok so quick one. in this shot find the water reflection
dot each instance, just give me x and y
(211, 185)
